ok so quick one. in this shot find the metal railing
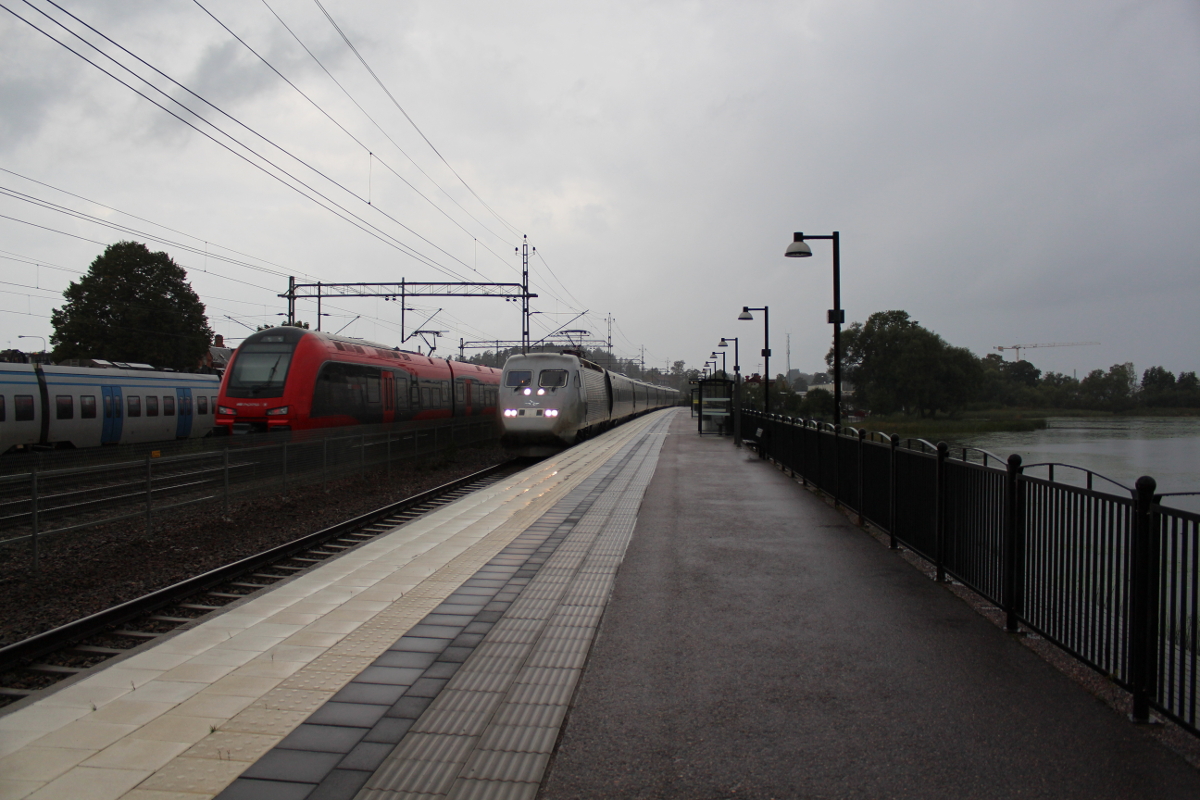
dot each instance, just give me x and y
(42, 502)
(1112, 580)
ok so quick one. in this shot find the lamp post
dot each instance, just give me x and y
(737, 390)
(800, 249)
(714, 355)
(766, 351)
(43, 338)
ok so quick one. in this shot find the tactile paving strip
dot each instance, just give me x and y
(458, 704)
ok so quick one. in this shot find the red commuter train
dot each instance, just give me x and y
(293, 379)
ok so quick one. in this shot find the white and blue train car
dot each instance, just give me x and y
(65, 407)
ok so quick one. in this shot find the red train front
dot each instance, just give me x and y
(292, 379)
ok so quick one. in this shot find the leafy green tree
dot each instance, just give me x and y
(132, 305)
(818, 404)
(1112, 390)
(1059, 390)
(898, 366)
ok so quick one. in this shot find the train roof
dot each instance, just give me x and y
(551, 357)
(355, 346)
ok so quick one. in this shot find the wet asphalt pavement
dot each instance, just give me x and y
(759, 645)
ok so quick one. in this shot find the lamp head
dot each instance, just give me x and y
(798, 248)
(745, 313)
(723, 343)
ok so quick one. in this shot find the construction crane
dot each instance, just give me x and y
(1020, 347)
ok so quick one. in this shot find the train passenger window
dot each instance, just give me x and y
(135, 405)
(108, 406)
(519, 377)
(151, 405)
(426, 400)
(214, 404)
(65, 406)
(416, 394)
(460, 391)
(1, 408)
(23, 405)
(552, 378)
(373, 388)
(168, 406)
(201, 405)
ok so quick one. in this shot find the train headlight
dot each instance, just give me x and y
(528, 390)
(275, 412)
(227, 410)
(510, 412)
(551, 412)
(541, 392)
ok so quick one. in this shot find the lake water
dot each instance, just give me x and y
(1123, 449)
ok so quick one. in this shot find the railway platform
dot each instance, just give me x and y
(752, 643)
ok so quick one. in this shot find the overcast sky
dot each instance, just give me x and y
(1006, 172)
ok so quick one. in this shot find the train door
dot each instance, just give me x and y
(183, 418)
(110, 433)
(389, 395)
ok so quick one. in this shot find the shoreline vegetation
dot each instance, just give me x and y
(1000, 420)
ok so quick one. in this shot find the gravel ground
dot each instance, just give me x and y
(86, 572)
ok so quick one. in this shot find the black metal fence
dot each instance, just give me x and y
(1113, 580)
(44, 501)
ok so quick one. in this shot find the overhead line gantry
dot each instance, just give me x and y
(404, 289)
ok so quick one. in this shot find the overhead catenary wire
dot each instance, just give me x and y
(46, 204)
(396, 103)
(388, 136)
(333, 207)
(106, 244)
(373, 157)
(239, 123)
(156, 224)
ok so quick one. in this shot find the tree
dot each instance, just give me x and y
(1112, 390)
(132, 305)
(898, 366)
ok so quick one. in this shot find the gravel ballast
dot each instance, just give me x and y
(96, 568)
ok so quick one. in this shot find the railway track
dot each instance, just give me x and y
(29, 666)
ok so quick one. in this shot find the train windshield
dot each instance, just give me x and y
(260, 370)
(551, 378)
(519, 377)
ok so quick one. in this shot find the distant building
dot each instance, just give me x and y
(217, 358)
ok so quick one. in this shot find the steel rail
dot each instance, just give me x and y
(24, 652)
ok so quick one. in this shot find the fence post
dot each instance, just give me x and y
(893, 485)
(940, 510)
(1014, 546)
(33, 491)
(149, 497)
(837, 466)
(861, 435)
(1143, 605)
(226, 471)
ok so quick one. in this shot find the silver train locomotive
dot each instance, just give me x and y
(551, 401)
